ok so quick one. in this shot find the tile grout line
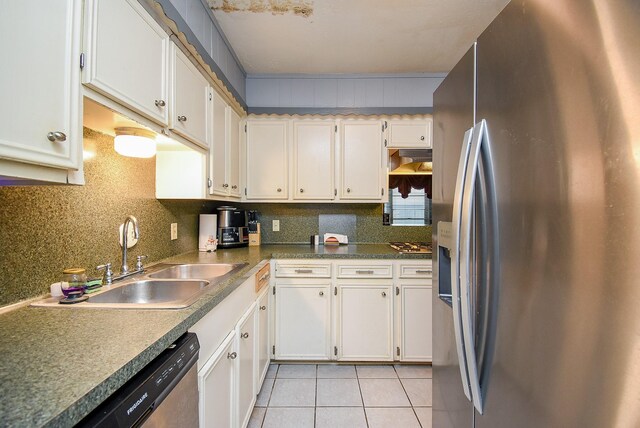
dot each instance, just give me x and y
(408, 398)
(275, 376)
(364, 409)
(315, 407)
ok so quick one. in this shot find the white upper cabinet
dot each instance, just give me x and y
(218, 184)
(361, 167)
(233, 145)
(224, 177)
(189, 101)
(313, 160)
(414, 133)
(127, 57)
(40, 118)
(267, 159)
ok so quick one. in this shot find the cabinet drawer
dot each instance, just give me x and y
(415, 271)
(365, 271)
(290, 270)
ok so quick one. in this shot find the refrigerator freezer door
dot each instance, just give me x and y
(454, 103)
(558, 84)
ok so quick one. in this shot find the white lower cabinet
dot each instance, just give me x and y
(303, 320)
(245, 334)
(353, 310)
(263, 351)
(216, 386)
(415, 322)
(365, 322)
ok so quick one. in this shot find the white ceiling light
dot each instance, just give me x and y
(135, 142)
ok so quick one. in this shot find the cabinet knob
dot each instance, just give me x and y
(279, 189)
(234, 187)
(209, 182)
(232, 355)
(225, 185)
(263, 308)
(301, 190)
(244, 335)
(160, 103)
(348, 190)
(182, 118)
(321, 293)
(57, 136)
(422, 138)
(384, 294)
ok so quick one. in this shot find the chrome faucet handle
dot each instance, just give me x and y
(139, 265)
(108, 273)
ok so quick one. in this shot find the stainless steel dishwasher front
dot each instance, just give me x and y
(163, 394)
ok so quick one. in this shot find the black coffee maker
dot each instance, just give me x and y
(232, 227)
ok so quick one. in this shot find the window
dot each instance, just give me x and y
(415, 210)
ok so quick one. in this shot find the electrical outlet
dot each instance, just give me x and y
(174, 231)
(276, 225)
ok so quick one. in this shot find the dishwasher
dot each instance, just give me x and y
(163, 394)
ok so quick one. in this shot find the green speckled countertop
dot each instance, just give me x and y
(56, 365)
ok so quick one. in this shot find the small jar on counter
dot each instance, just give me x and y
(74, 282)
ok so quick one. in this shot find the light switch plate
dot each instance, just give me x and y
(276, 226)
(174, 231)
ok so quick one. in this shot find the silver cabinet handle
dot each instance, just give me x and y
(301, 190)
(244, 335)
(321, 293)
(57, 136)
(279, 189)
(209, 182)
(232, 355)
(364, 272)
(263, 308)
(384, 294)
(304, 271)
(160, 103)
(182, 118)
(424, 271)
(348, 190)
(422, 138)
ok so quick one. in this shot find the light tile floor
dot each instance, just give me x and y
(349, 396)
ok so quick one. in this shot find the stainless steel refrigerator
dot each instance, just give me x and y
(536, 206)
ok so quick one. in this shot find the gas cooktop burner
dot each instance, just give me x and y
(411, 247)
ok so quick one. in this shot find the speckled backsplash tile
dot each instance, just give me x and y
(47, 228)
(299, 221)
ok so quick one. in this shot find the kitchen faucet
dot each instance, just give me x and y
(136, 234)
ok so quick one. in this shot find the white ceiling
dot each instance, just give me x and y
(352, 36)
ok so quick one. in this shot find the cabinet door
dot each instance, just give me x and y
(415, 323)
(361, 160)
(216, 385)
(233, 146)
(40, 82)
(246, 367)
(267, 159)
(128, 57)
(303, 321)
(313, 153)
(365, 322)
(218, 151)
(263, 338)
(410, 133)
(189, 100)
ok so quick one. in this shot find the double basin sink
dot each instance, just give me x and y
(164, 286)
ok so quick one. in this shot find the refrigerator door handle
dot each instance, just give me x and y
(455, 261)
(480, 137)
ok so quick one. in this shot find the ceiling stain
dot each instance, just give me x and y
(302, 8)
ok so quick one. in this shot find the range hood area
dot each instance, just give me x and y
(410, 169)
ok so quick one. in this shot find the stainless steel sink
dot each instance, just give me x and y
(148, 291)
(199, 271)
(163, 286)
